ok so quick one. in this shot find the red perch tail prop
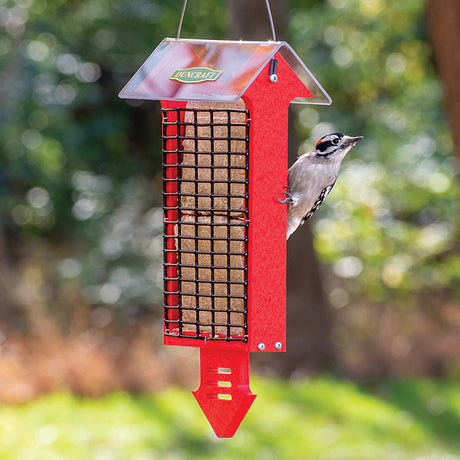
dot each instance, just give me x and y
(224, 394)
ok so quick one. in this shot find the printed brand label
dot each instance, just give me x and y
(195, 75)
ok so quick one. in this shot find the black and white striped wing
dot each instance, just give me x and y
(322, 196)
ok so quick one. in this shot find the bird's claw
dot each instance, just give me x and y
(287, 194)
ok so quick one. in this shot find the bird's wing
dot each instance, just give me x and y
(322, 196)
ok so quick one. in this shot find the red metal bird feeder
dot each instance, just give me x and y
(225, 127)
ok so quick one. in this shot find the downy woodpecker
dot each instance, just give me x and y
(312, 176)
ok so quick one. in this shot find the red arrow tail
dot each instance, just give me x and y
(224, 394)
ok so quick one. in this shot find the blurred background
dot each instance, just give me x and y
(373, 278)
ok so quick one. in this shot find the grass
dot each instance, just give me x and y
(319, 419)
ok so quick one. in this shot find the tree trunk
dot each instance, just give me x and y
(444, 27)
(309, 314)
(10, 308)
(250, 19)
(309, 322)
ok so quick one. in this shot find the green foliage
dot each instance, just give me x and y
(79, 165)
(395, 205)
(321, 419)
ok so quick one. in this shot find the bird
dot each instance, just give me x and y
(312, 176)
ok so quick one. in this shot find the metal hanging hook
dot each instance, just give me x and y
(269, 11)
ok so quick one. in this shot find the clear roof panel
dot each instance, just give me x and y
(218, 71)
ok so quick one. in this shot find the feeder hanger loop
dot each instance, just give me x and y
(270, 17)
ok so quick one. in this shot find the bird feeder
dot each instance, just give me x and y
(225, 135)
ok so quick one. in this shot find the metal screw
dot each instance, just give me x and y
(278, 345)
(261, 346)
(273, 78)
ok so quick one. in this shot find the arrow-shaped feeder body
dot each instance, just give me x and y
(224, 231)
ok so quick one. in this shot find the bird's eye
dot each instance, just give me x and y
(335, 141)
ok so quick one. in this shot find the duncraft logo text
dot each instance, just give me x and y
(195, 75)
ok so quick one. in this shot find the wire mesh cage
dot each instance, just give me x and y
(206, 189)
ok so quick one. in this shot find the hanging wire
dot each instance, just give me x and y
(269, 11)
(271, 20)
(181, 19)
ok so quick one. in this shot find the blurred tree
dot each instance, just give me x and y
(444, 22)
(80, 169)
(309, 322)
(394, 206)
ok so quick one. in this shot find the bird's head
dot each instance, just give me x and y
(334, 146)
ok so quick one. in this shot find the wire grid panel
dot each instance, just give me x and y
(206, 148)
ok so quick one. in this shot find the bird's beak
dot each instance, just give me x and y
(350, 141)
